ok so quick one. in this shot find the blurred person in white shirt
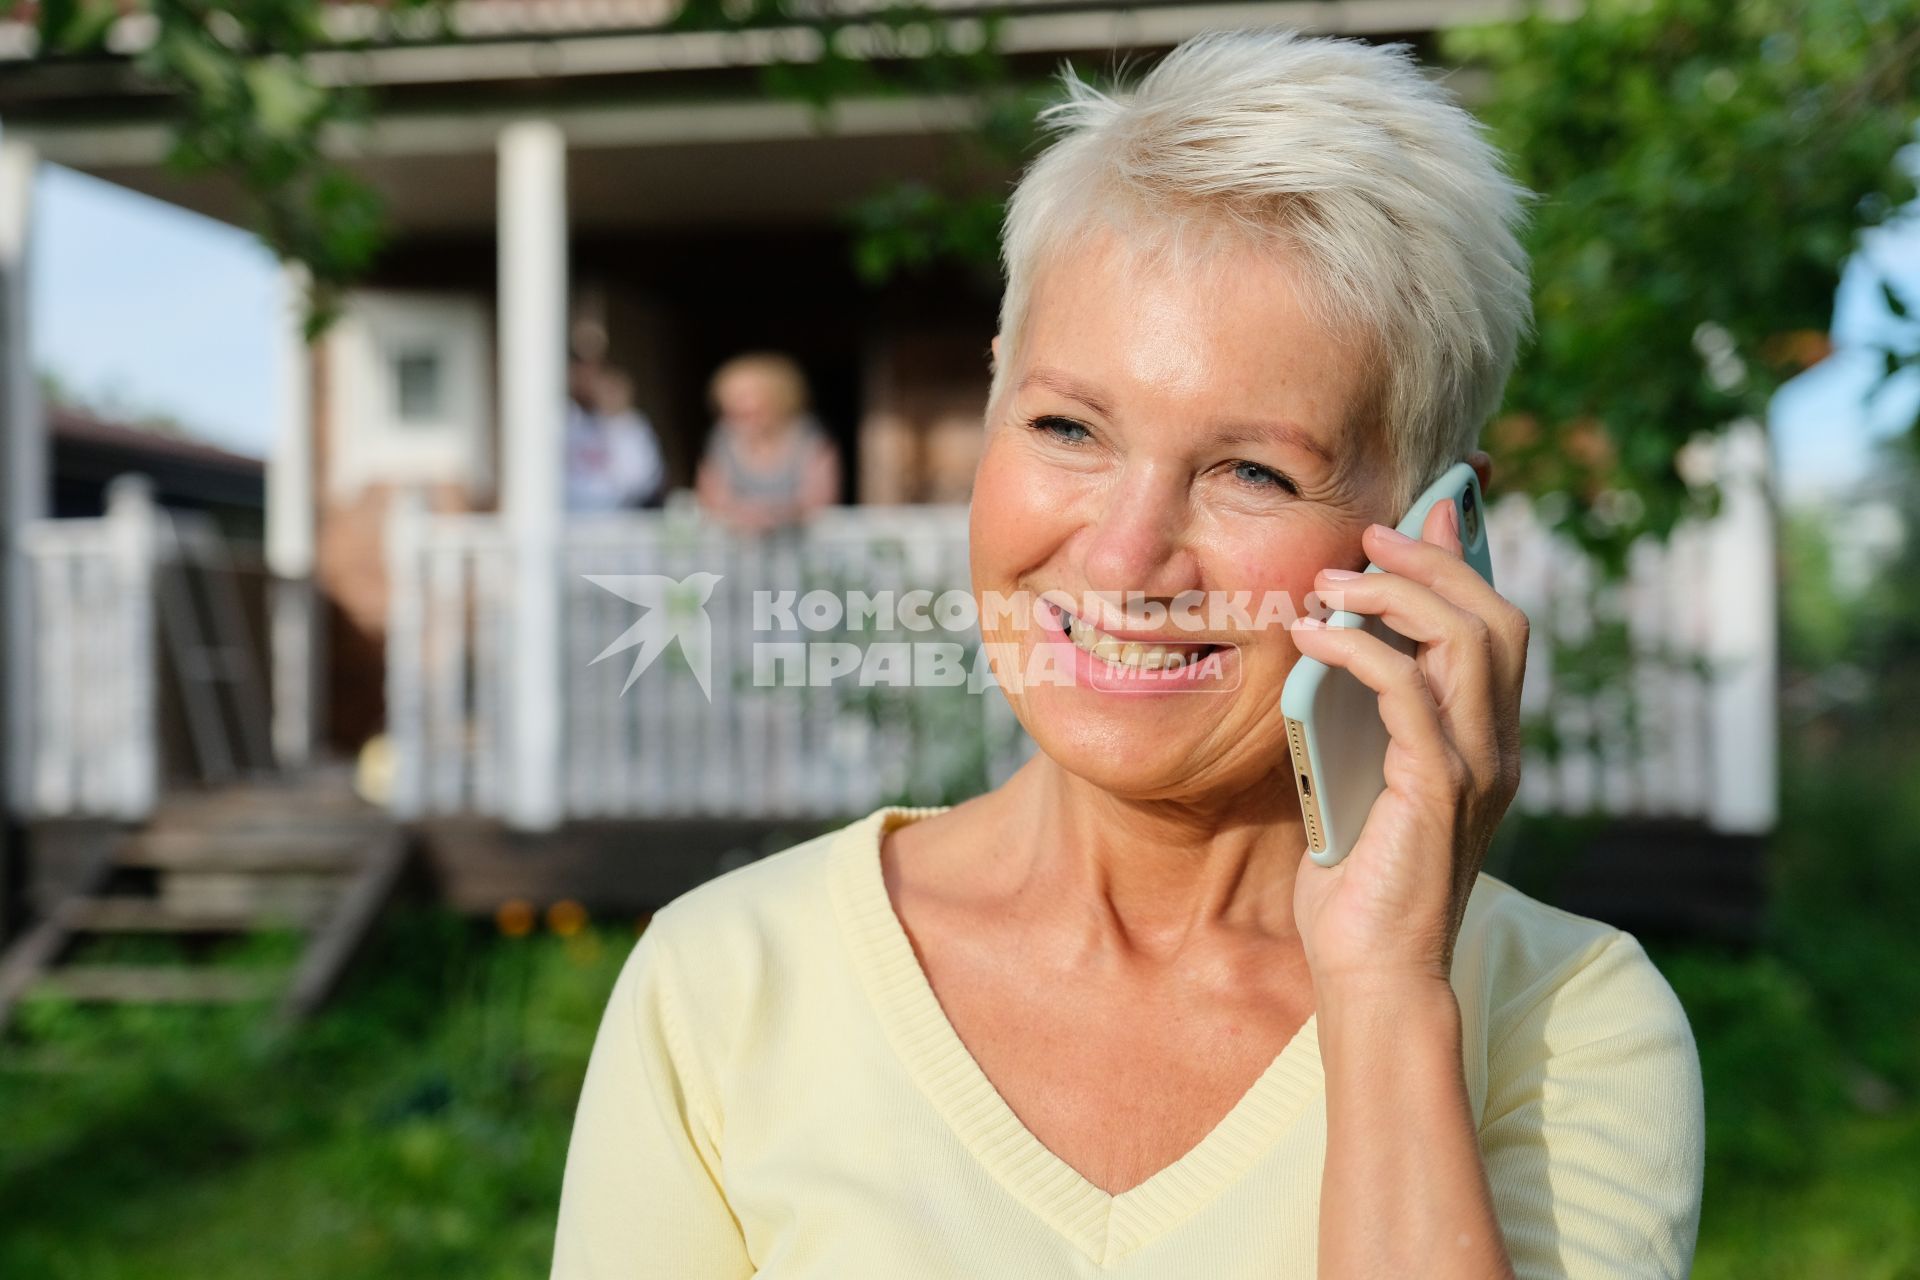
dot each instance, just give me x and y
(613, 456)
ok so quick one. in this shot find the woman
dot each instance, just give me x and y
(768, 463)
(1108, 1019)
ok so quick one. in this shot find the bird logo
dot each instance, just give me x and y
(675, 610)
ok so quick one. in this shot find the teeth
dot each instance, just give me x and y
(1127, 653)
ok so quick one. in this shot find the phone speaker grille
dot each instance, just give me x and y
(1303, 780)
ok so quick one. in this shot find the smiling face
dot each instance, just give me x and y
(1169, 435)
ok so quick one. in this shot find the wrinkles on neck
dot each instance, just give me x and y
(1153, 877)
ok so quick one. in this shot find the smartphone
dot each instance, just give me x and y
(1335, 736)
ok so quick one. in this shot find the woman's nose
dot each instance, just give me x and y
(1139, 544)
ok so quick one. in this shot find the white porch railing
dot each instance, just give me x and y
(117, 602)
(1683, 722)
(1686, 730)
(664, 748)
(92, 661)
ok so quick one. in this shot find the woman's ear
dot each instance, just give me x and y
(1482, 464)
(994, 346)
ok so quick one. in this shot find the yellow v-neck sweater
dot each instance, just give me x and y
(775, 1091)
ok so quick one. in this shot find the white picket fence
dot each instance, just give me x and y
(1667, 740)
(1691, 728)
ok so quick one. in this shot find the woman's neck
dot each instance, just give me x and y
(1153, 876)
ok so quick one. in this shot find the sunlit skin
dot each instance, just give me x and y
(1172, 489)
(1127, 932)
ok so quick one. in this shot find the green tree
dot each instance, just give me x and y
(248, 105)
(1706, 170)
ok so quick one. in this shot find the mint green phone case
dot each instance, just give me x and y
(1335, 735)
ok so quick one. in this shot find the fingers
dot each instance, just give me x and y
(1466, 659)
(1456, 655)
(1407, 706)
(1435, 562)
(1416, 611)
(1442, 528)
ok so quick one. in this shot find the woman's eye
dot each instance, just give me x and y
(1062, 429)
(1255, 474)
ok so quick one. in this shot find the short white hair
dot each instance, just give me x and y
(1341, 156)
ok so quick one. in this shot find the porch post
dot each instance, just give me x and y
(533, 396)
(293, 624)
(1743, 694)
(23, 493)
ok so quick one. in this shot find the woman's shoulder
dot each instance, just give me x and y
(770, 901)
(772, 920)
(1520, 962)
(1586, 1085)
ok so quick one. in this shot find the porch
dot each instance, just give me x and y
(480, 625)
(1684, 733)
(1688, 733)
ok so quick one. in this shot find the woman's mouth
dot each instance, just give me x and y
(1132, 655)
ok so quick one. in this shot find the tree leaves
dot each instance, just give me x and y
(247, 106)
(1704, 165)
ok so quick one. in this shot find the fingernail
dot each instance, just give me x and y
(1453, 516)
(1308, 621)
(1392, 534)
(1339, 575)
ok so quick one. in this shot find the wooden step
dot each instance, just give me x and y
(266, 798)
(344, 825)
(27, 960)
(297, 895)
(152, 984)
(284, 850)
(154, 915)
(211, 817)
(24, 963)
(242, 860)
(333, 944)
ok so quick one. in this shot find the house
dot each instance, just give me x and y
(551, 161)
(87, 452)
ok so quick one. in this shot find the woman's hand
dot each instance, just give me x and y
(1392, 908)
(1379, 928)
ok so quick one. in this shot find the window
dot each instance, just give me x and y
(409, 398)
(419, 396)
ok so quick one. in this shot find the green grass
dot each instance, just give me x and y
(1849, 1212)
(1810, 1047)
(419, 1127)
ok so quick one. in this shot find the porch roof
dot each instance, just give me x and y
(666, 127)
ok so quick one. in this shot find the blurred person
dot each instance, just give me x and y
(952, 452)
(769, 464)
(1110, 1017)
(613, 456)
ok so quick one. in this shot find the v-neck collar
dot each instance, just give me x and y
(1102, 1226)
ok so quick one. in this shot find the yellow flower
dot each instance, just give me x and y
(514, 917)
(566, 917)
